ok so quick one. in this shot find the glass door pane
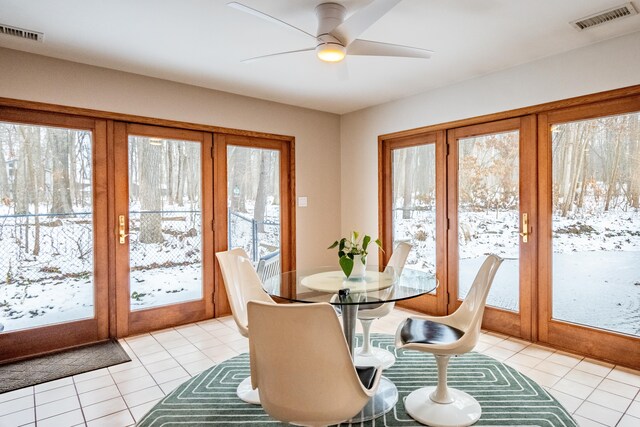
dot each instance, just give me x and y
(253, 203)
(165, 221)
(46, 226)
(414, 204)
(596, 223)
(489, 213)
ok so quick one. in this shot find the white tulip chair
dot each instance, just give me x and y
(368, 355)
(242, 284)
(447, 336)
(301, 364)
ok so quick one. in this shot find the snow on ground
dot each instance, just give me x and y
(57, 285)
(596, 262)
(596, 265)
(45, 303)
(164, 286)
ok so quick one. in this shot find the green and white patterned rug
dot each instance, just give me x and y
(507, 397)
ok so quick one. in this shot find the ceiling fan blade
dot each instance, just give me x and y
(255, 58)
(243, 8)
(357, 23)
(370, 48)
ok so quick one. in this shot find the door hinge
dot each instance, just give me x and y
(448, 223)
(212, 152)
(448, 298)
(448, 148)
(213, 225)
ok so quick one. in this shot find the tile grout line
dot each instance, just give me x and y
(121, 397)
(35, 415)
(73, 380)
(145, 368)
(180, 364)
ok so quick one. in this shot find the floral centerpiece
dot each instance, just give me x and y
(352, 254)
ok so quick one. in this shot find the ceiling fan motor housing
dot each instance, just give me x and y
(330, 15)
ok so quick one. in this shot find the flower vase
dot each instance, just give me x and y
(359, 269)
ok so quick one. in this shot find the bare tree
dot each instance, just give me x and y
(613, 177)
(31, 138)
(261, 192)
(238, 159)
(61, 144)
(169, 157)
(5, 189)
(634, 161)
(181, 175)
(407, 203)
(149, 164)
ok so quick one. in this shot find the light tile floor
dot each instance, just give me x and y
(596, 393)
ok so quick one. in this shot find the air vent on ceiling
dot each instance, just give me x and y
(21, 32)
(605, 16)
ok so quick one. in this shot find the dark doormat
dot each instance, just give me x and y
(65, 363)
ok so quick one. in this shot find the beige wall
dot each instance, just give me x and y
(37, 78)
(608, 65)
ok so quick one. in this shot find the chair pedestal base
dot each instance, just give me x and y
(246, 393)
(463, 411)
(377, 357)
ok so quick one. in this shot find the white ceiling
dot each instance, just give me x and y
(201, 42)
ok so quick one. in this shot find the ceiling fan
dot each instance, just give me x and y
(335, 38)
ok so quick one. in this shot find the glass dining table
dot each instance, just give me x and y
(329, 284)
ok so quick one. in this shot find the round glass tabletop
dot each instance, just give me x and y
(323, 284)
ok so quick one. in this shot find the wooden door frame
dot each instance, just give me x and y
(286, 148)
(515, 324)
(29, 342)
(430, 303)
(616, 347)
(132, 322)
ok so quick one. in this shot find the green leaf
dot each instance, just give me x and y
(341, 254)
(343, 241)
(379, 243)
(365, 243)
(364, 259)
(333, 245)
(346, 264)
(355, 236)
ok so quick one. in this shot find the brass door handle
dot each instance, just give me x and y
(525, 228)
(121, 229)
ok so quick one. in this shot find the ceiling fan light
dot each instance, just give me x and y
(331, 52)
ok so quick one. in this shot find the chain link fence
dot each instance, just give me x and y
(38, 248)
(244, 232)
(164, 239)
(45, 259)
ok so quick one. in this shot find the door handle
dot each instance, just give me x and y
(121, 229)
(525, 228)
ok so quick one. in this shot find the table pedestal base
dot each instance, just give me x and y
(382, 402)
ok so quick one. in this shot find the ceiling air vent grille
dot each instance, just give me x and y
(605, 16)
(21, 32)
